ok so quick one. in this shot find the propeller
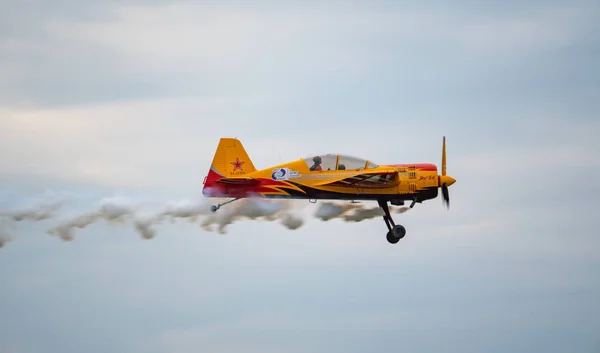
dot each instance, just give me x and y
(445, 180)
(445, 196)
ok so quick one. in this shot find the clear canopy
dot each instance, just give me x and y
(338, 162)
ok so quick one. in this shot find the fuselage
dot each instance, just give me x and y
(295, 180)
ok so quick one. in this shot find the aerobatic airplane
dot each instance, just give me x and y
(326, 177)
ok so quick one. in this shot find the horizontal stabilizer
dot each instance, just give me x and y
(238, 181)
(372, 180)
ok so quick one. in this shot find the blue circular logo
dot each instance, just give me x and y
(279, 174)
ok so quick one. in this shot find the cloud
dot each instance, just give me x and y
(503, 162)
(211, 36)
(182, 48)
(121, 144)
(546, 29)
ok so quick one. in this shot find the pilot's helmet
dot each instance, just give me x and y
(317, 159)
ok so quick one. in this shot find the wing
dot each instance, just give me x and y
(238, 181)
(366, 180)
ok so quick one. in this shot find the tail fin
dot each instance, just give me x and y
(230, 160)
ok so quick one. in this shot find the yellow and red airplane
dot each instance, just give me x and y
(327, 177)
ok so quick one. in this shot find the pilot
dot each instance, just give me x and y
(342, 167)
(317, 165)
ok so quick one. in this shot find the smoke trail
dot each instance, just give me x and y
(186, 209)
(190, 209)
(41, 209)
(352, 212)
(115, 209)
(37, 212)
(291, 221)
(65, 230)
(401, 209)
(120, 210)
(329, 210)
(249, 208)
(254, 209)
(364, 213)
(143, 225)
(4, 238)
(111, 209)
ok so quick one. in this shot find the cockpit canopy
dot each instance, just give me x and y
(338, 162)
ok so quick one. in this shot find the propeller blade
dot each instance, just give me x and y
(444, 156)
(443, 179)
(446, 195)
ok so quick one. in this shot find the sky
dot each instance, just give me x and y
(128, 100)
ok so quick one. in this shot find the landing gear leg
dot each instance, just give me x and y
(395, 231)
(214, 208)
(413, 203)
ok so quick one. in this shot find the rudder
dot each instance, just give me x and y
(231, 160)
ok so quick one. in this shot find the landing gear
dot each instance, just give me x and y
(214, 208)
(395, 234)
(395, 231)
(413, 203)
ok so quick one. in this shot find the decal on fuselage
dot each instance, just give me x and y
(284, 174)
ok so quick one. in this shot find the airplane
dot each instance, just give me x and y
(326, 177)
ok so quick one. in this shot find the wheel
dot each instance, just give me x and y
(391, 238)
(213, 208)
(397, 233)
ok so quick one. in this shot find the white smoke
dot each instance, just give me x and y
(401, 209)
(190, 209)
(4, 238)
(121, 211)
(254, 209)
(352, 212)
(37, 212)
(364, 213)
(329, 210)
(42, 208)
(291, 221)
(111, 209)
(65, 230)
(143, 225)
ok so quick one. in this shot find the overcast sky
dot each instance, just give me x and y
(129, 99)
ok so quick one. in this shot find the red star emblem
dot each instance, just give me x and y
(237, 164)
